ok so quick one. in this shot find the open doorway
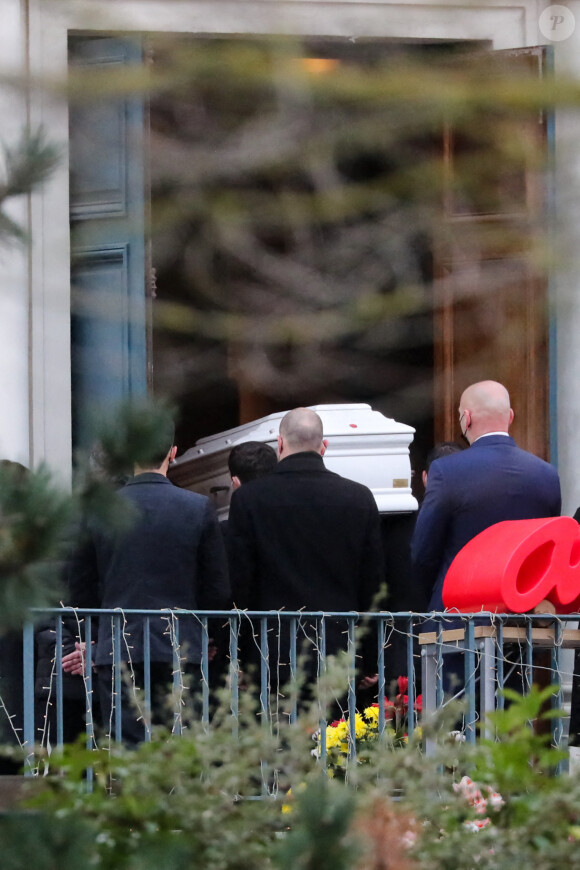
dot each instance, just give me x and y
(300, 270)
(318, 233)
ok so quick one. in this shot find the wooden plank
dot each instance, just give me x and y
(541, 637)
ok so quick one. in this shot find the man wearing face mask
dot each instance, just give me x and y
(494, 480)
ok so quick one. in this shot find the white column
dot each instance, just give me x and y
(14, 256)
(567, 274)
(50, 356)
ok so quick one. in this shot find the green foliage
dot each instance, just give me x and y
(321, 837)
(34, 518)
(296, 249)
(50, 843)
(139, 432)
(535, 826)
(135, 432)
(27, 165)
(37, 517)
(205, 799)
(213, 799)
(519, 756)
(278, 226)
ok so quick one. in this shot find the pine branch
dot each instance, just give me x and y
(9, 229)
(28, 164)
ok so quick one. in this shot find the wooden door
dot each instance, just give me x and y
(491, 316)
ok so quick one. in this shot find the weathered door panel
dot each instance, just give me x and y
(491, 314)
(107, 207)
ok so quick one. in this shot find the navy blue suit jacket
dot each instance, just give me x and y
(172, 555)
(494, 480)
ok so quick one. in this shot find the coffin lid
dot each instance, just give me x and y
(364, 445)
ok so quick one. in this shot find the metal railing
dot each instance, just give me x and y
(281, 656)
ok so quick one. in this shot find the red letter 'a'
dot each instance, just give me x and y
(515, 565)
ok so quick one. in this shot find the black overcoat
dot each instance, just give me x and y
(305, 538)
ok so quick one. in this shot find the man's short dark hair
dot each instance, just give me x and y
(140, 431)
(251, 459)
(443, 448)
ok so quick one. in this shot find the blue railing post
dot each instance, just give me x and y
(147, 677)
(488, 649)
(381, 673)
(177, 679)
(28, 695)
(234, 668)
(351, 652)
(117, 678)
(410, 679)
(293, 628)
(470, 724)
(265, 671)
(439, 666)
(556, 723)
(89, 706)
(500, 700)
(59, 699)
(204, 671)
(322, 708)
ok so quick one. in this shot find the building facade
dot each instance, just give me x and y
(37, 383)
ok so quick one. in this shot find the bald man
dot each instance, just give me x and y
(494, 480)
(304, 537)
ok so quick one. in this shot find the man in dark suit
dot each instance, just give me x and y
(305, 538)
(494, 480)
(170, 556)
(248, 461)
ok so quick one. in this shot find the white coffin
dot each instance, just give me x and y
(363, 445)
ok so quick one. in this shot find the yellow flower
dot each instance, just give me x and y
(360, 726)
(287, 805)
(332, 737)
(371, 714)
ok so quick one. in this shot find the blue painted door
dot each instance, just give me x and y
(109, 268)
